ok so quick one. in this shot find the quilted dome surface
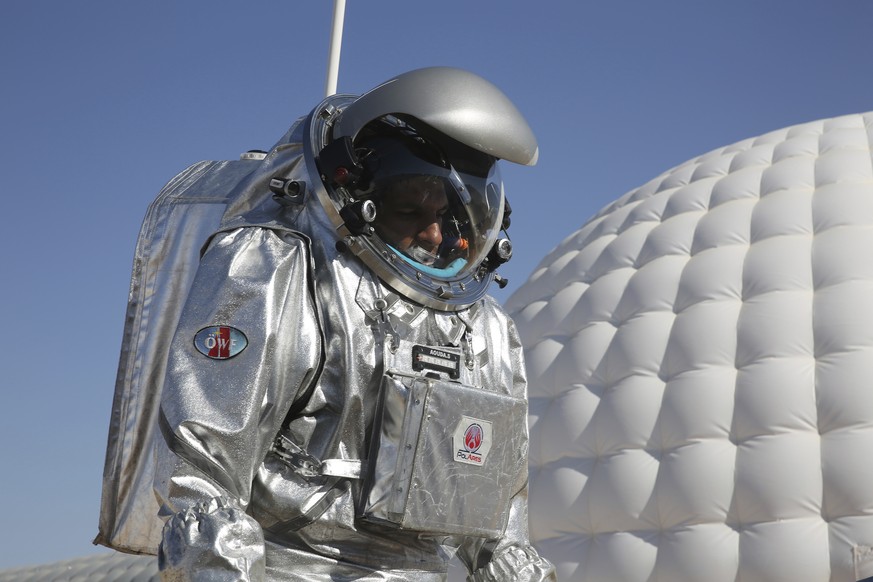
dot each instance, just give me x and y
(700, 358)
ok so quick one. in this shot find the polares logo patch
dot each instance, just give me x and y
(472, 440)
(220, 342)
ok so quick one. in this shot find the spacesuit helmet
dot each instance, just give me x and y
(413, 187)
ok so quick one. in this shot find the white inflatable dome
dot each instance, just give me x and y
(700, 357)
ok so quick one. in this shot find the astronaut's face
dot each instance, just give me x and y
(410, 217)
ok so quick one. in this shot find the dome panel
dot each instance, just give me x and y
(584, 355)
(696, 484)
(847, 471)
(839, 256)
(626, 415)
(697, 404)
(837, 166)
(775, 395)
(798, 144)
(693, 197)
(716, 166)
(620, 253)
(708, 551)
(652, 288)
(845, 133)
(845, 399)
(619, 490)
(844, 317)
(566, 426)
(712, 275)
(743, 183)
(680, 176)
(600, 300)
(538, 360)
(637, 348)
(650, 209)
(759, 156)
(725, 225)
(547, 317)
(702, 336)
(562, 486)
(842, 205)
(671, 237)
(778, 477)
(778, 264)
(792, 173)
(619, 556)
(775, 325)
(785, 551)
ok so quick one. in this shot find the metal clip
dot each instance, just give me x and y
(385, 326)
(295, 457)
(467, 346)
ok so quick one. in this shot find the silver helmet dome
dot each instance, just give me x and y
(409, 179)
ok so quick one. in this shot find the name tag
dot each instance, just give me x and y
(437, 359)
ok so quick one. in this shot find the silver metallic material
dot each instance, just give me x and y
(193, 535)
(192, 203)
(260, 461)
(415, 444)
(455, 102)
(504, 249)
(515, 563)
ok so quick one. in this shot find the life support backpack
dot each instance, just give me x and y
(178, 223)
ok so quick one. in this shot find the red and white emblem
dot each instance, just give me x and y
(472, 440)
(473, 437)
(220, 342)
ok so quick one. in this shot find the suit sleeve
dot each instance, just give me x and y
(221, 408)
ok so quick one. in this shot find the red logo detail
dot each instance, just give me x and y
(473, 438)
(220, 343)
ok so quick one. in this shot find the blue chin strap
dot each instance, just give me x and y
(450, 271)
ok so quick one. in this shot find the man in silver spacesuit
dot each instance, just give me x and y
(342, 400)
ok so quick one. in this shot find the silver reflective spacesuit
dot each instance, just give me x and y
(340, 400)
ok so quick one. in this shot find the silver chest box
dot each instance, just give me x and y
(444, 457)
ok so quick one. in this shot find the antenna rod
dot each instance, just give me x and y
(336, 42)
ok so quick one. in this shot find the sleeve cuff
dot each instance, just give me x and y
(520, 564)
(213, 540)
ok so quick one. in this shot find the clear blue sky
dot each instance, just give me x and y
(104, 101)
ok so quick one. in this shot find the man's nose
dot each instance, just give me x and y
(431, 234)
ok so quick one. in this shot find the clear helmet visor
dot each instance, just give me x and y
(441, 220)
(444, 225)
